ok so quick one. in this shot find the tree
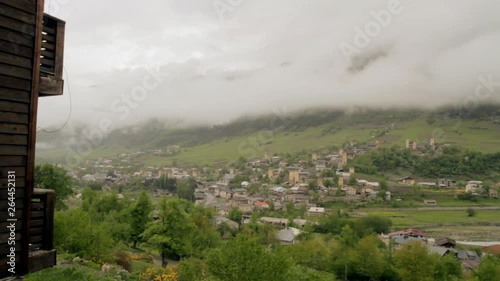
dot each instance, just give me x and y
(205, 235)
(171, 233)
(186, 189)
(471, 212)
(75, 233)
(369, 266)
(313, 253)
(53, 177)
(377, 224)
(448, 268)
(235, 215)
(192, 269)
(384, 185)
(244, 259)
(489, 269)
(352, 181)
(139, 217)
(413, 263)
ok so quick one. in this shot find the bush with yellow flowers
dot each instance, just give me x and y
(142, 257)
(159, 274)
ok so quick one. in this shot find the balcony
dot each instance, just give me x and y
(42, 253)
(52, 57)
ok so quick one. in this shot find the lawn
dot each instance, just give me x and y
(255, 145)
(415, 218)
(481, 135)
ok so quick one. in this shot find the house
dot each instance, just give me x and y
(224, 193)
(222, 220)
(239, 193)
(445, 242)
(399, 241)
(492, 193)
(261, 205)
(278, 190)
(227, 178)
(493, 250)
(367, 183)
(441, 251)
(411, 144)
(406, 181)
(88, 177)
(293, 176)
(288, 236)
(470, 259)
(430, 202)
(427, 184)
(409, 233)
(161, 192)
(222, 209)
(238, 201)
(282, 222)
(245, 208)
(316, 211)
(300, 199)
(349, 191)
(199, 198)
(31, 67)
(214, 189)
(321, 167)
(298, 190)
(469, 265)
(473, 186)
(446, 183)
(388, 196)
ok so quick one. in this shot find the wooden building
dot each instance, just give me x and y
(31, 66)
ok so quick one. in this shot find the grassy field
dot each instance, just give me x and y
(255, 145)
(412, 217)
(481, 136)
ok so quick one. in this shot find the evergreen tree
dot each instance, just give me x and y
(139, 217)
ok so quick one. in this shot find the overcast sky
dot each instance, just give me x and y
(217, 60)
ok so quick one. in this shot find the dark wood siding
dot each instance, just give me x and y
(17, 42)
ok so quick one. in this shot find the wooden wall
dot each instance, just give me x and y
(20, 22)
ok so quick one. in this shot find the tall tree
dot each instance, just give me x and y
(369, 266)
(171, 233)
(489, 269)
(244, 259)
(50, 176)
(205, 235)
(235, 215)
(139, 217)
(413, 263)
(186, 189)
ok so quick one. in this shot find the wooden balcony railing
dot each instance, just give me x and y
(42, 252)
(52, 56)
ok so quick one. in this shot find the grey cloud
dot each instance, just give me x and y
(270, 54)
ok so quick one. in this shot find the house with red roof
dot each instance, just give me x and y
(493, 250)
(261, 204)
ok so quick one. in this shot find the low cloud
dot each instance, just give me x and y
(265, 55)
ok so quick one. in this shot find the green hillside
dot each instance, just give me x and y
(310, 130)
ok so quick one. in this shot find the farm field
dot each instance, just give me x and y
(485, 225)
